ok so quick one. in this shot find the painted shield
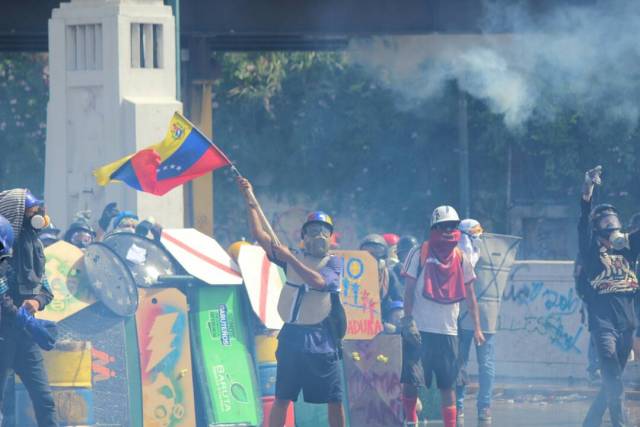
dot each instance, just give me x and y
(111, 280)
(372, 370)
(201, 256)
(69, 284)
(162, 327)
(263, 280)
(145, 258)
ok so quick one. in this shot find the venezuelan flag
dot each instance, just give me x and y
(184, 154)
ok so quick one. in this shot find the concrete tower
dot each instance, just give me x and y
(112, 92)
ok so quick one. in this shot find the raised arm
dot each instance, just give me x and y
(257, 228)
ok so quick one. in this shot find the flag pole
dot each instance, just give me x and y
(254, 202)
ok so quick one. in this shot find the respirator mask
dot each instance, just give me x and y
(40, 220)
(609, 228)
(316, 239)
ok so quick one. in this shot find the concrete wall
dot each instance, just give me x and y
(106, 103)
(540, 330)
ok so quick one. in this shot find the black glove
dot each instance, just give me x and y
(145, 227)
(410, 331)
(108, 213)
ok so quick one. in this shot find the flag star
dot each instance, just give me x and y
(165, 168)
(178, 168)
(172, 166)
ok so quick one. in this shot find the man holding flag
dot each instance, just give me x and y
(309, 344)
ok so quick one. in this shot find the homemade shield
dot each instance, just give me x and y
(162, 327)
(263, 281)
(497, 255)
(111, 280)
(372, 371)
(201, 256)
(145, 258)
(69, 284)
(360, 294)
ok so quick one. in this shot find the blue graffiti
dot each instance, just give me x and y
(550, 326)
(553, 300)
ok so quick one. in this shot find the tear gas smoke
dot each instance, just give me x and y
(585, 57)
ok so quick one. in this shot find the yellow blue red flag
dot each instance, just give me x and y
(184, 154)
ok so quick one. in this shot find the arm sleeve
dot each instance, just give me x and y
(634, 243)
(394, 287)
(46, 295)
(332, 274)
(467, 270)
(411, 264)
(583, 226)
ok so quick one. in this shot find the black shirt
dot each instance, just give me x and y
(611, 283)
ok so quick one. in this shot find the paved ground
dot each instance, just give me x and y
(536, 410)
(532, 414)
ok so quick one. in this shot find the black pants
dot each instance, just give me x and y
(613, 348)
(18, 353)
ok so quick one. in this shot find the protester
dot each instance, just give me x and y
(388, 282)
(80, 232)
(609, 292)
(438, 276)
(309, 344)
(488, 310)
(634, 226)
(6, 242)
(27, 292)
(392, 252)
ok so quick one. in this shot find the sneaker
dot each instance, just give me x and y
(484, 414)
(459, 413)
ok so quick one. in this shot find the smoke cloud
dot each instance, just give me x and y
(583, 57)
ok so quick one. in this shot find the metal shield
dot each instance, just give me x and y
(145, 258)
(111, 280)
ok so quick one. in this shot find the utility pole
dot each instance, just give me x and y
(463, 153)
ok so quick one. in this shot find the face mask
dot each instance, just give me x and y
(317, 246)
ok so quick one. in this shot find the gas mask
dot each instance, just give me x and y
(81, 239)
(608, 228)
(39, 220)
(619, 240)
(316, 238)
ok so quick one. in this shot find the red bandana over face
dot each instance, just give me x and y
(443, 275)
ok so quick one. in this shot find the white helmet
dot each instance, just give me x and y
(444, 214)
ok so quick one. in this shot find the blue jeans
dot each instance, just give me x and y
(486, 355)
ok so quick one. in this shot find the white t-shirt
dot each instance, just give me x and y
(429, 315)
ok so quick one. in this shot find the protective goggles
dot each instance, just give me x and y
(317, 229)
(609, 223)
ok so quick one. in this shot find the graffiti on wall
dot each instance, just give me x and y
(543, 311)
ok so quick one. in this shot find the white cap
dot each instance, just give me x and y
(444, 214)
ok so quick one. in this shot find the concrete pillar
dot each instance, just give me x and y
(112, 91)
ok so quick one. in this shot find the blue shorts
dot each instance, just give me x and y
(318, 375)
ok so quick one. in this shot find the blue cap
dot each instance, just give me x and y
(122, 215)
(30, 200)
